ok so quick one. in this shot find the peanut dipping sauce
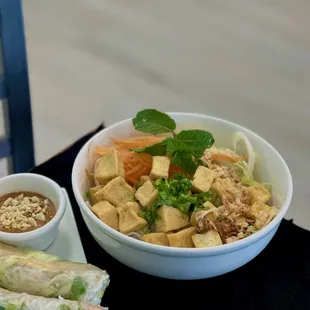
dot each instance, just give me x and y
(24, 211)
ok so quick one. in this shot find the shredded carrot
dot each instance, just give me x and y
(135, 164)
(225, 157)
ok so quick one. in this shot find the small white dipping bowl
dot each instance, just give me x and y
(183, 263)
(43, 237)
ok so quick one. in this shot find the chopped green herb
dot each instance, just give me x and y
(78, 289)
(64, 307)
(87, 195)
(211, 196)
(138, 185)
(146, 230)
(149, 215)
(176, 193)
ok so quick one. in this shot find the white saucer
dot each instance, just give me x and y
(68, 244)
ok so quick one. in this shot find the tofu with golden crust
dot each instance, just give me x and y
(147, 194)
(144, 178)
(160, 167)
(208, 239)
(258, 192)
(170, 219)
(183, 238)
(117, 192)
(108, 167)
(203, 179)
(131, 204)
(156, 238)
(262, 214)
(92, 192)
(106, 213)
(129, 220)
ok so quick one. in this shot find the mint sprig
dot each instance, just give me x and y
(186, 147)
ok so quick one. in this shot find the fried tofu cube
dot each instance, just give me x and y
(203, 179)
(106, 213)
(117, 192)
(231, 239)
(262, 214)
(156, 238)
(170, 218)
(160, 167)
(212, 212)
(220, 185)
(131, 204)
(183, 238)
(272, 213)
(193, 219)
(108, 167)
(147, 194)
(258, 192)
(208, 239)
(129, 220)
(92, 192)
(144, 178)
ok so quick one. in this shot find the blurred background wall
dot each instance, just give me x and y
(94, 61)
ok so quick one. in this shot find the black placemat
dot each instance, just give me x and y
(278, 278)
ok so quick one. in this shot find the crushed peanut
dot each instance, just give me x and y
(22, 212)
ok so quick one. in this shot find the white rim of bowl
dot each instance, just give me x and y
(183, 252)
(56, 219)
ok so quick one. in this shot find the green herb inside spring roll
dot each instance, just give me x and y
(23, 301)
(41, 274)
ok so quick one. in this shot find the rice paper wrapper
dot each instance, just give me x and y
(41, 274)
(23, 301)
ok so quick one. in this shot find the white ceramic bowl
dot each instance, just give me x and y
(182, 263)
(43, 237)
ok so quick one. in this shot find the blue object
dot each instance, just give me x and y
(14, 90)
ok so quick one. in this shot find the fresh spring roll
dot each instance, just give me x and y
(41, 274)
(23, 301)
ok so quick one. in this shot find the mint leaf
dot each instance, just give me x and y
(184, 159)
(195, 141)
(153, 121)
(157, 149)
(174, 145)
